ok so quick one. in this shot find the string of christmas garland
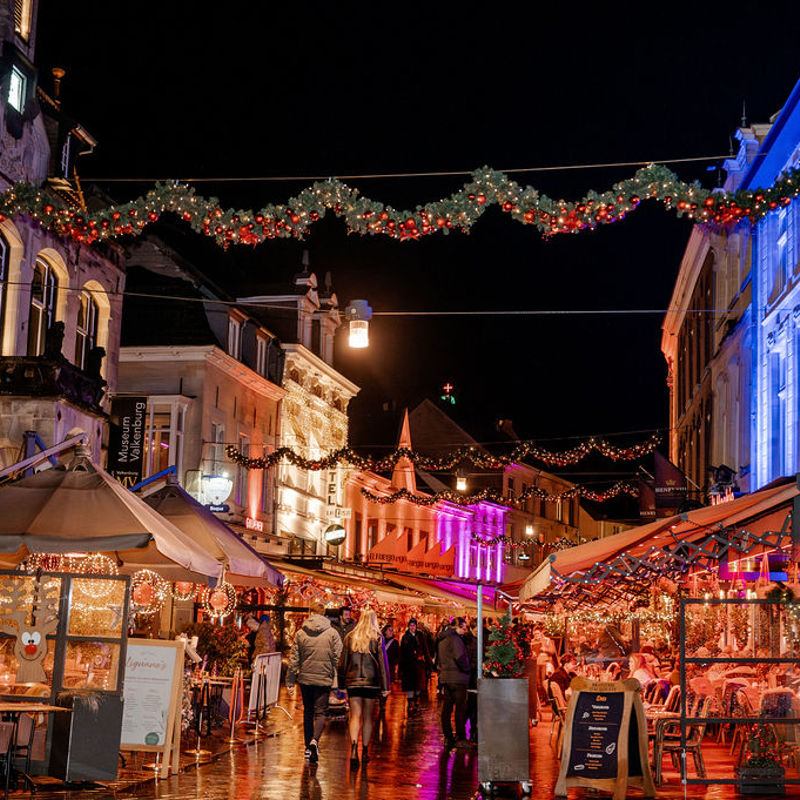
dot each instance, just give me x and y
(365, 216)
(495, 496)
(473, 455)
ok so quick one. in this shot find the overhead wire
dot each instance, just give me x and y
(431, 174)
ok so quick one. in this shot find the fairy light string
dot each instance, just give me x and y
(365, 216)
(472, 455)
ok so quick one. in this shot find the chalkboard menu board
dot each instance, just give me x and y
(595, 734)
(605, 739)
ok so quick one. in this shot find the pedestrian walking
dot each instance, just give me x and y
(470, 639)
(392, 647)
(264, 641)
(313, 662)
(344, 623)
(364, 673)
(454, 676)
(413, 664)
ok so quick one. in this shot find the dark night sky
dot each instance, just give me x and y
(337, 89)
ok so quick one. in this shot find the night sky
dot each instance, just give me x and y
(324, 89)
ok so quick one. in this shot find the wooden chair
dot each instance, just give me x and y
(668, 740)
(558, 705)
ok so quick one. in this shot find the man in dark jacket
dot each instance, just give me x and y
(345, 622)
(313, 662)
(454, 674)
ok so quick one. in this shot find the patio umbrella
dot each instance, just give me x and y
(246, 566)
(83, 509)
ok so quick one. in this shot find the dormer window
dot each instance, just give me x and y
(262, 346)
(235, 336)
(17, 85)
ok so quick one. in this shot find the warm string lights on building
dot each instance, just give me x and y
(362, 215)
(473, 455)
(496, 496)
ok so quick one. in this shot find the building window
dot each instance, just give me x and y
(217, 449)
(266, 487)
(781, 256)
(22, 18)
(262, 348)
(43, 306)
(163, 439)
(17, 84)
(234, 337)
(372, 533)
(778, 414)
(241, 472)
(86, 331)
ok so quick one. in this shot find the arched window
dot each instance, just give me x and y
(43, 306)
(86, 332)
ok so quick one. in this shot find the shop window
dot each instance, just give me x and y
(44, 289)
(86, 330)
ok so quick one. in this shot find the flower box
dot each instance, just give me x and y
(761, 780)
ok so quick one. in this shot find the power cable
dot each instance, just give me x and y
(382, 175)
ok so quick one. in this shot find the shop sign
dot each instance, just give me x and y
(254, 524)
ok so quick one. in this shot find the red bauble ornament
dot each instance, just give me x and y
(48, 209)
(508, 205)
(152, 216)
(218, 600)
(411, 222)
(143, 594)
(481, 198)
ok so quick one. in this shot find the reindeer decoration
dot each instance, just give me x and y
(30, 646)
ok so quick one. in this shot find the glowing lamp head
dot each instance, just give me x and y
(461, 480)
(358, 314)
(359, 333)
(529, 530)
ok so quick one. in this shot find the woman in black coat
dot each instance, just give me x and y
(413, 664)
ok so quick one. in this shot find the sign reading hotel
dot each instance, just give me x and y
(126, 439)
(392, 552)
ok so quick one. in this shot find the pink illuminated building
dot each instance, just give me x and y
(439, 539)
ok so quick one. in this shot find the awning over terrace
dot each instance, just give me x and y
(624, 566)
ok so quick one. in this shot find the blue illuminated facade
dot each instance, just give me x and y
(775, 248)
(734, 371)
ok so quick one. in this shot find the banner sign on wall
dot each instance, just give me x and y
(126, 439)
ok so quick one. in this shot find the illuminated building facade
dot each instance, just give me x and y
(734, 358)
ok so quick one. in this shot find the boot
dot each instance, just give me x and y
(365, 754)
(354, 754)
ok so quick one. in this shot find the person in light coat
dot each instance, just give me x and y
(313, 662)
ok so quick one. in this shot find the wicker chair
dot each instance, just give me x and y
(668, 740)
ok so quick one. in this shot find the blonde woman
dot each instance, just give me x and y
(364, 673)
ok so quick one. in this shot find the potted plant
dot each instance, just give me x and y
(503, 714)
(760, 770)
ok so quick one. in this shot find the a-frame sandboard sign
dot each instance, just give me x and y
(605, 739)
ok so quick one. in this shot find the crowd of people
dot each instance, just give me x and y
(335, 655)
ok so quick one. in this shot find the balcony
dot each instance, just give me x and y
(43, 376)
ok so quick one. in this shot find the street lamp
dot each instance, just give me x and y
(359, 313)
(461, 480)
(529, 529)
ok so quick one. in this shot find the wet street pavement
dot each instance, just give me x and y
(408, 762)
